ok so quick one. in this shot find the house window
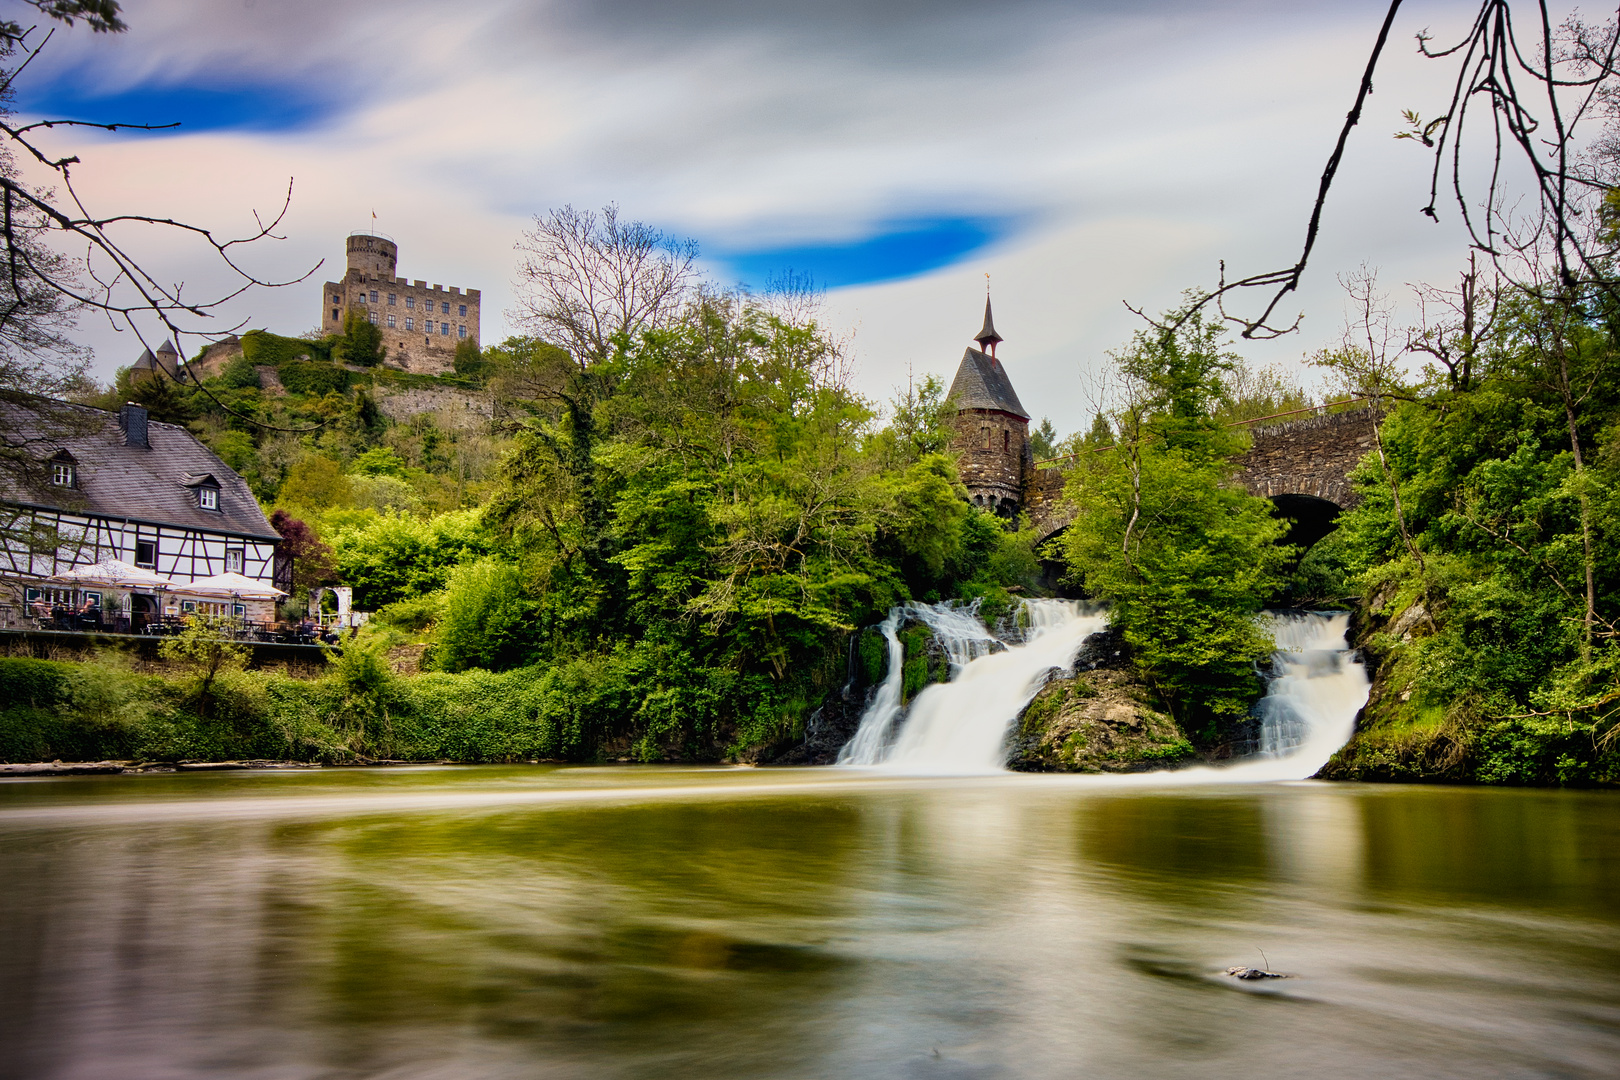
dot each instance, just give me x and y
(444, 307)
(390, 318)
(390, 299)
(410, 303)
(463, 311)
(444, 329)
(208, 498)
(461, 331)
(410, 323)
(188, 607)
(373, 317)
(235, 560)
(373, 296)
(62, 473)
(239, 610)
(146, 553)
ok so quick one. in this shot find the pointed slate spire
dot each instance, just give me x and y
(988, 337)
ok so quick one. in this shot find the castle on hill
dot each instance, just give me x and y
(421, 326)
(992, 429)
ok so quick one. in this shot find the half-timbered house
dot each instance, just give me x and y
(123, 486)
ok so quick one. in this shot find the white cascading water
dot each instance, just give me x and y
(1309, 710)
(961, 726)
(1311, 703)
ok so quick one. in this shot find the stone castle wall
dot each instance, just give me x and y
(421, 326)
(992, 455)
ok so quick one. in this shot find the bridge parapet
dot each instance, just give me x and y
(1311, 456)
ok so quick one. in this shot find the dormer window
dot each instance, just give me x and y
(64, 470)
(206, 489)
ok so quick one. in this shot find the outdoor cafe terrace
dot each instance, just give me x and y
(118, 599)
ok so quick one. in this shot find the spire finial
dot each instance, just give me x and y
(988, 337)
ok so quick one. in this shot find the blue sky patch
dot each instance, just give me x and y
(900, 249)
(196, 108)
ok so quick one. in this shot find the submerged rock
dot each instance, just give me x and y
(1253, 973)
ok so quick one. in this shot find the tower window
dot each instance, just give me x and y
(410, 323)
(463, 311)
(390, 319)
(373, 296)
(334, 314)
(360, 298)
(336, 299)
(1006, 440)
(988, 435)
(390, 299)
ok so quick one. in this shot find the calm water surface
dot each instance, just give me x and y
(544, 922)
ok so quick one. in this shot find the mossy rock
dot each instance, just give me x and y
(1102, 721)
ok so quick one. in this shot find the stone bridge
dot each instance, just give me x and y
(1302, 465)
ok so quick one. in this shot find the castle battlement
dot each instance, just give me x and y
(421, 325)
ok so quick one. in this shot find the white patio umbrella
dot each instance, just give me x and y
(115, 573)
(229, 584)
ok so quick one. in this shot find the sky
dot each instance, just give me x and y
(1084, 155)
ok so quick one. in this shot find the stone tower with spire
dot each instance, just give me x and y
(992, 428)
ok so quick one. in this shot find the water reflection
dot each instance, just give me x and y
(719, 924)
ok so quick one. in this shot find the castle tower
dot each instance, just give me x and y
(421, 326)
(992, 428)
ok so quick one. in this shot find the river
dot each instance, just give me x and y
(542, 921)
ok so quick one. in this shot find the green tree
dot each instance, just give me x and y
(361, 343)
(1184, 558)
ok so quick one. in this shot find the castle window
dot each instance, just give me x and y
(334, 314)
(373, 296)
(390, 299)
(444, 307)
(337, 299)
(988, 435)
(410, 323)
(444, 329)
(461, 331)
(373, 317)
(463, 311)
(390, 319)
(410, 303)
(1006, 440)
(360, 298)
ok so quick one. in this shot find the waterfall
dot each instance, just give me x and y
(961, 726)
(1309, 710)
(1311, 702)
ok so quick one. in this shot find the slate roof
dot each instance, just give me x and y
(118, 481)
(981, 383)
